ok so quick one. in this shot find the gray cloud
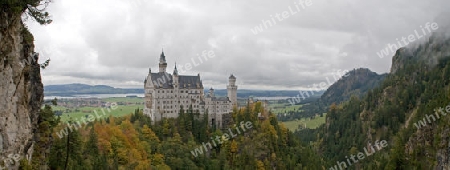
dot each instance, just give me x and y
(114, 42)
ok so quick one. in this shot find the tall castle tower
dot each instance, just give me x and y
(232, 90)
(162, 63)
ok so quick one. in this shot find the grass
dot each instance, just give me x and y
(125, 99)
(120, 111)
(281, 108)
(311, 124)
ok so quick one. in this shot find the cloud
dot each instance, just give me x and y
(114, 42)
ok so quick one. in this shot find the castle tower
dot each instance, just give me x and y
(149, 89)
(162, 63)
(232, 90)
(175, 77)
(211, 92)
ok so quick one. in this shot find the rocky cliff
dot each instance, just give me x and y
(431, 52)
(21, 89)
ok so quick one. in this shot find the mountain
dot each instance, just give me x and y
(73, 89)
(245, 93)
(407, 110)
(356, 83)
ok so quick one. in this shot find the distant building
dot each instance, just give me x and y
(166, 93)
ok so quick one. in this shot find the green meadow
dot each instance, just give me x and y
(310, 123)
(282, 108)
(124, 99)
(126, 105)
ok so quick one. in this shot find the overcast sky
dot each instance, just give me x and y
(114, 42)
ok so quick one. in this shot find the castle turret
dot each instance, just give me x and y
(232, 90)
(162, 63)
(149, 89)
(175, 77)
(211, 92)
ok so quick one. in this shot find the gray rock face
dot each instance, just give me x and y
(21, 89)
(437, 48)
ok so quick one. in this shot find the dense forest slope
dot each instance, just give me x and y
(356, 82)
(186, 142)
(415, 90)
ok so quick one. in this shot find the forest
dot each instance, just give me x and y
(132, 142)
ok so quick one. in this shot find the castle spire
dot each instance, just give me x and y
(175, 71)
(162, 58)
(162, 62)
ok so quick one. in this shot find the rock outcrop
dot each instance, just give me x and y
(21, 89)
(432, 52)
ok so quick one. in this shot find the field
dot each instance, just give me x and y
(125, 106)
(281, 108)
(311, 124)
(124, 99)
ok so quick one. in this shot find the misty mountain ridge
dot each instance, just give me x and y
(397, 111)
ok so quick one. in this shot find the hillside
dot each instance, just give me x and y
(357, 83)
(186, 142)
(416, 87)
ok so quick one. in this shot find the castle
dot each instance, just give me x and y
(166, 94)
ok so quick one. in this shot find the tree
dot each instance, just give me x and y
(33, 8)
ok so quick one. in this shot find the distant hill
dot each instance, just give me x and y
(357, 83)
(78, 89)
(74, 89)
(245, 93)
